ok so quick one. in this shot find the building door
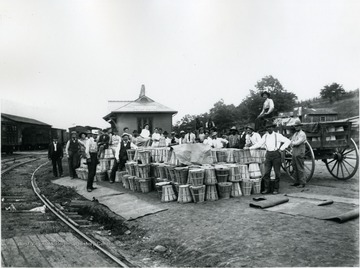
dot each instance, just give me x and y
(141, 121)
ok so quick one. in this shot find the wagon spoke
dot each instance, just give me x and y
(333, 166)
(349, 152)
(346, 168)
(350, 158)
(331, 161)
(342, 171)
(337, 170)
(348, 163)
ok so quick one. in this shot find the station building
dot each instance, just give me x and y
(135, 114)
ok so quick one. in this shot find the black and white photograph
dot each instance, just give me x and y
(179, 133)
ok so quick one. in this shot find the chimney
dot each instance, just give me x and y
(142, 91)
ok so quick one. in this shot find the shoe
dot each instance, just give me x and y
(265, 192)
(93, 188)
(301, 186)
(89, 190)
(295, 184)
(61, 175)
(111, 181)
(275, 192)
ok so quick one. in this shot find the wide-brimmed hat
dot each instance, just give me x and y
(182, 131)
(95, 132)
(73, 133)
(270, 124)
(173, 132)
(265, 92)
(214, 134)
(88, 132)
(82, 132)
(233, 128)
(125, 134)
(165, 132)
(297, 123)
(250, 126)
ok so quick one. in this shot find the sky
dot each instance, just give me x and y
(61, 61)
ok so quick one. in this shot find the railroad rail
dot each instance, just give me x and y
(64, 218)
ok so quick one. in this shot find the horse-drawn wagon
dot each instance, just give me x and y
(330, 142)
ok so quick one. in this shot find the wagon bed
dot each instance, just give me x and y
(331, 142)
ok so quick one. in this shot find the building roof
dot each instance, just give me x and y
(319, 111)
(143, 104)
(21, 119)
(299, 111)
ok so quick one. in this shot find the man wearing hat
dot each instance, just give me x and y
(242, 137)
(173, 138)
(72, 151)
(298, 154)
(91, 159)
(55, 154)
(275, 144)
(266, 112)
(251, 137)
(121, 155)
(218, 143)
(167, 140)
(103, 142)
(234, 138)
(189, 136)
(181, 139)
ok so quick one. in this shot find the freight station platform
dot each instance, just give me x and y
(133, 205)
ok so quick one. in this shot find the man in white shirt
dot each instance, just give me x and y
(91, 159)
(182, 137)
(251, 137)
(166, 138)
(275, 144)
(218, 143)
(189, 136)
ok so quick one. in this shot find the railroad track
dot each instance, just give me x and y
(68, 220)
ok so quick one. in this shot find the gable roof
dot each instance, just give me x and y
(143, 104)
(21, 119)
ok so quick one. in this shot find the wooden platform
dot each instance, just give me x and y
(50, 250)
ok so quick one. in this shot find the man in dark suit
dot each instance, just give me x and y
(55, 154)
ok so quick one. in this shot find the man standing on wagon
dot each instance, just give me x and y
(298, 154)
(275, 144)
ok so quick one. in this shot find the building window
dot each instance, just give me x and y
(322, 118)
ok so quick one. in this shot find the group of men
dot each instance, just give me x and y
(91, 145)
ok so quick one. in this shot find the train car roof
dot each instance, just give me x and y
(21, 119)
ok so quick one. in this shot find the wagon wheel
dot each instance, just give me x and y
(345, 162)
(309, 162)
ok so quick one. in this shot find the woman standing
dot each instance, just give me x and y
(266, 112)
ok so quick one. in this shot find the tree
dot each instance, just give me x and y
(223, 115)
(251, 106)
(331, 92)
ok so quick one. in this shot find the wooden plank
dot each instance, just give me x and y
(86, 250)
(11, 254)
(49, 251)
(30, 252)
(69, 252)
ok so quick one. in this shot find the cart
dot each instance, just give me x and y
(330, 142)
